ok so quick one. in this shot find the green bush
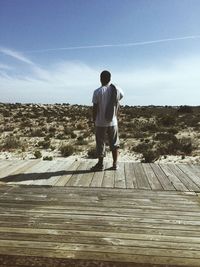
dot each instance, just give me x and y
(82, 142)
(186, 145)
(61, 136)
(52, 129)
(36, 133)
(149, 156)
(44, 144)
(123, 135)
(37, 154)
(167, 120)
(92, 154)
(167, 148)
(68, 131)
(148, 127)
(166, 137)
(142, 147)
(172, 130)
(67, 150)
(11, 142)
(185, 109)
(48, 158)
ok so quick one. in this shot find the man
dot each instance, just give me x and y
(105, 105)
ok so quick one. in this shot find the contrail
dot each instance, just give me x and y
(115, 45)
(16, 55)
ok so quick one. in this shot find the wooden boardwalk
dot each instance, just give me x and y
(58, 213)
(170, 177)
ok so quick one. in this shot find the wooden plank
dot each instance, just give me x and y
(28, 175)
(109, 192)
(33, 174)
(174, 216)
(109, 177)
(51, 234)
(163, 179)
(75, 168)
(63, 249)
(78, 174)
(52, 174)
(120, 181)
(112, 199)
(4, 164)
(94, 238)
(97, 179)
(71, 256)
(173, 178)
(152, 178)
(42, 173)
(16, 176)
(184, 178)
(134, 178)
(81, 224)
(100, 204)
(196, 169)
(24, 167)
(142, 182)
(43, 228)
(86, 177)
(67, 173)
(11, 168)
(188, 171)
(109, 225)
(129, 175)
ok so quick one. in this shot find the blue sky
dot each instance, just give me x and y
(53, 51)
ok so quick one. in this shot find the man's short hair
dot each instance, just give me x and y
(105, 75)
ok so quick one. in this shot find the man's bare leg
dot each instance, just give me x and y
(100, 162)
(115, 155)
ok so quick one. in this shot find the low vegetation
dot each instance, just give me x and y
(150, 132)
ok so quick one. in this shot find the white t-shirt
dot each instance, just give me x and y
(101, 97)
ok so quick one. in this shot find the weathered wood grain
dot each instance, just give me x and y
(109, 177)
(70, 173)
(142, 181)
(184, 178)
(102, 224)
(120, 181)
(190, 172)
(152, 178)
(172, 177)
(162, 177)
(129, 175)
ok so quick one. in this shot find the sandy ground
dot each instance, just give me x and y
(124, 156)
(23, 121)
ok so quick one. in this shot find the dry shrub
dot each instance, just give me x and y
(11, 142)
(149, 156)
(67, 150)
(37, 154)
(92, 153)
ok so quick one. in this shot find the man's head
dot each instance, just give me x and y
(105, 77)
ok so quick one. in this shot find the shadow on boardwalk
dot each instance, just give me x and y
(43, 175)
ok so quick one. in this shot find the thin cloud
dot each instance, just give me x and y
(17, 55)
(115, 45)
(174, 84)
(5, 67)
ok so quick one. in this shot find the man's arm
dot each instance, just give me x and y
(94, 112)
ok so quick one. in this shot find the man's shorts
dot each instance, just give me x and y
(113, 138)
